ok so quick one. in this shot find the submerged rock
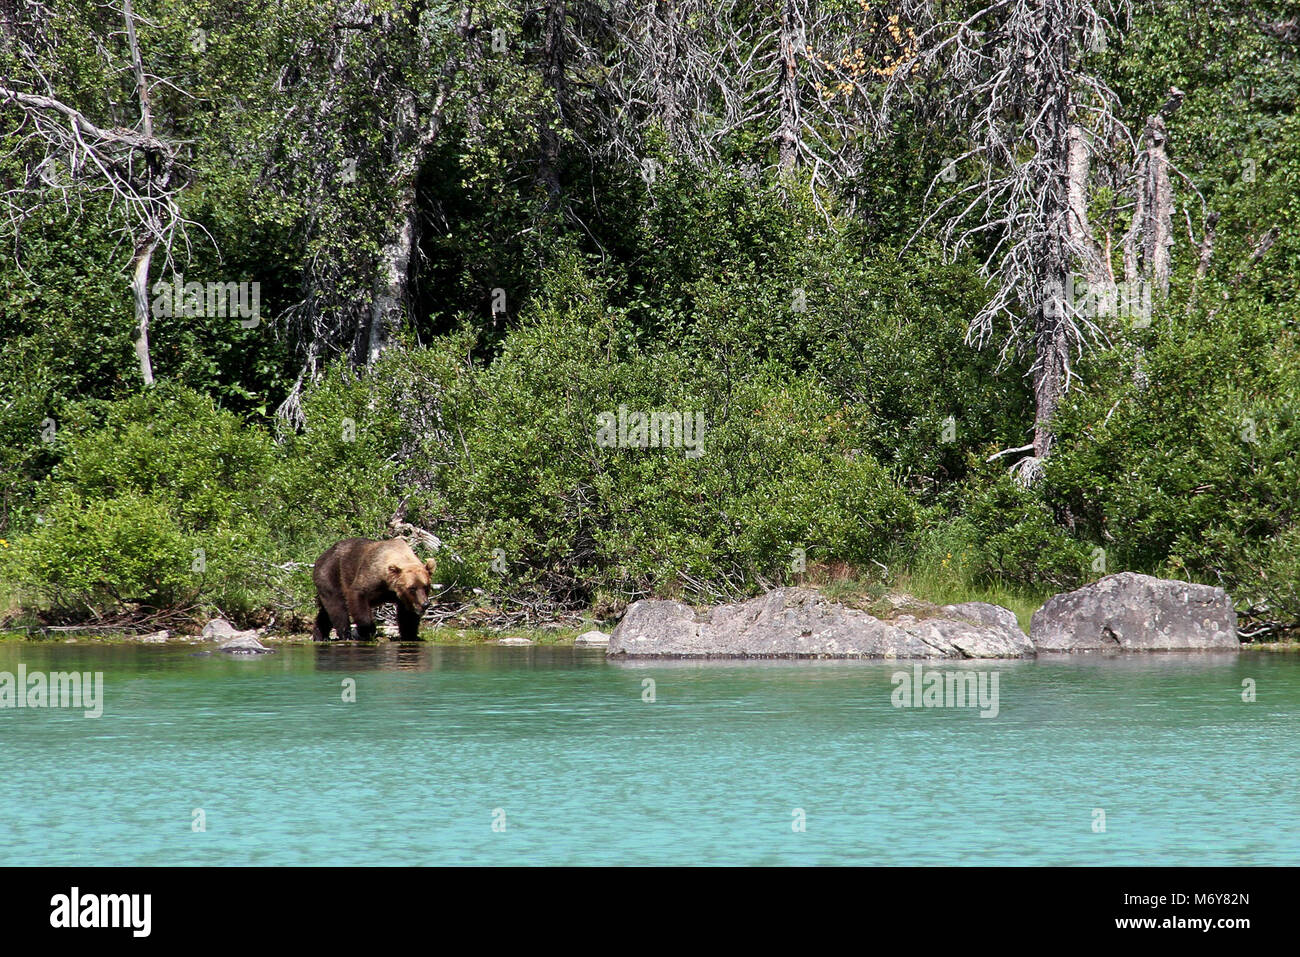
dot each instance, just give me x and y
(245, 643)
(1132, 612)
(802, 623)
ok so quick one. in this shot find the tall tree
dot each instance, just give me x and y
(368, 96)
(1011, 72)
(73, 157)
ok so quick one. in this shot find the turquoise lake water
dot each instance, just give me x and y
(561, 747)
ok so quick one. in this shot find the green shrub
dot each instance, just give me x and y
(1016, 539)
(538, 507)
(171, 443)
(94, 557)
(1196, 474)
(157, 502)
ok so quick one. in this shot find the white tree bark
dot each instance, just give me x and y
(140, 294)
(1148, 244)
(391, 297)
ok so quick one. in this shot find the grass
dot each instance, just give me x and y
(942, 589)
(919, 589)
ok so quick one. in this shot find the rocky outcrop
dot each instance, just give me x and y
(802, 623)
(244, 643)
(234, 642)
(1131, 612)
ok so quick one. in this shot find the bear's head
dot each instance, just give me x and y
(410, 583)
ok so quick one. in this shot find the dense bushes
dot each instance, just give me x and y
(777, 470)
(848, 423)
(164, 500)
(156, 502)
(1196, 473)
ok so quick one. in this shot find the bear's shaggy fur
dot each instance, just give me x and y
(356, 574)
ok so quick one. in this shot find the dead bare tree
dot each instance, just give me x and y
(1011, 73)
(410, 65)
(663, 76)
(72, 158)
(800, 77)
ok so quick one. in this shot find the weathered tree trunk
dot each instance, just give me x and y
(553, 65)
(666, 27)
(1149, 241)
(1092, 261)
(392, 292)
(1050, 360)
(413, 139)
(140, 292)
(787, 133)
(1063, 213)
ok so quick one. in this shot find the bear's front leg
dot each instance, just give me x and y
(363, 617)
(408, 623)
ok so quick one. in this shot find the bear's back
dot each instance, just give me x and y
(390, 551)
(339, 562)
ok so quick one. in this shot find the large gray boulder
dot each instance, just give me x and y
(1131, 612)
(975, 629)
(802, 623)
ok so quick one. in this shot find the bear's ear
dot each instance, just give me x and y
(431, 564)
(394, 571)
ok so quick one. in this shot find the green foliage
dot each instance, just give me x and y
(170, 443)
(847, 419)
(1016, 539)
(92, 556)
(570, 517)
(1195, 474)
(156, 502)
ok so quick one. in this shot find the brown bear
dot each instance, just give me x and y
(356, 574)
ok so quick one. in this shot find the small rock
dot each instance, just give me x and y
(157, 638)
(592, 639)
(245, 643)
(218, 630)
(515, 641)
